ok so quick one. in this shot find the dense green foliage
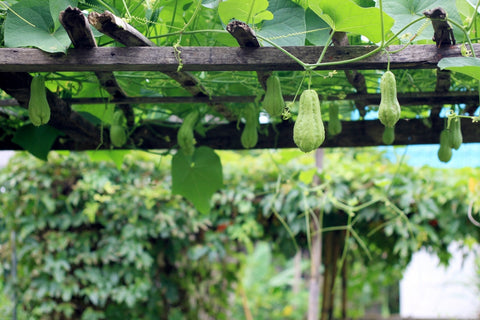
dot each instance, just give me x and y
(94, 241)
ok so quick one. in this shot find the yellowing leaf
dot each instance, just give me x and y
(248, 11)
(472, 184)
(347, 16)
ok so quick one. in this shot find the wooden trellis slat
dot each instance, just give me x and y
(63, 118)
(127, 35)
(163, 59)
(78, 29)
(154, 135)
(405, 99)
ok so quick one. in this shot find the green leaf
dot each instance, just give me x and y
(57, 6)
(466, 65)
(288, 25)
(116, 156)
(249, 11)
(197, 177)
(36, 140)
(406, 11)
(35, 28)
(318, 29)
(347, 16)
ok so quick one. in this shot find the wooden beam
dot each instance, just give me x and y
(127, 35)
(63, 118)
(153, 135)
(218, 58)
(405, 99)
(78, 29)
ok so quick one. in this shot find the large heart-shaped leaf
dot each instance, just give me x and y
(466, 65)
(197, 177)
(30, 24)
(406, 11)
(347, 16)
(36, 140)
(248, 11)
(288, 25)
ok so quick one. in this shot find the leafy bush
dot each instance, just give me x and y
(99, 242)
(95, 242)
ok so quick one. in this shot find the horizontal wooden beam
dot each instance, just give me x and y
(227, 136)
(405, 99)
(218, 58)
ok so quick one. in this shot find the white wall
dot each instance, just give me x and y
(429, 290)
(4, 157)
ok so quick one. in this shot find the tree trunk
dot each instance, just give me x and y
(316, 254)
(333, 247)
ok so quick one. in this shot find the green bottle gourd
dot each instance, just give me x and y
(118, 135)
(273, 101)
(445, 151)
(456, 137)
(38, 108)
(185, 136)
(308, 131)
(388, 135)
(389, 108)
(249, 136)
(334, 123)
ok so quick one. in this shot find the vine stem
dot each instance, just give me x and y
(300, 62)
(194, 15)
(324, 51)
(472, 19)
(188, 32)
(382, 27)
(466, 35)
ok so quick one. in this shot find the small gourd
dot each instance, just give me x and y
(456, 137)
(388, 135)
(118, 135)
(185, 137)
(445, 150)
(249, 136)
(38, 108)
(334, 123)
(389, 109)
(273, 101)
(308, 131)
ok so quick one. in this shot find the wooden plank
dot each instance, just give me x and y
(78, 29)
(63, 118)
(405, 99)
(227, 136)
(217, 58)
(127, 35)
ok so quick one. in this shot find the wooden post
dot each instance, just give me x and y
(316, 254)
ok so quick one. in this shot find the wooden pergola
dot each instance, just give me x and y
(140, 54)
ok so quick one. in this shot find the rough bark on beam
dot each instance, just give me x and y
(219, 58)
(78, 29)
(246, 38)
(355, 78)
(127, 35)
(62, 117)
(227, 136)
(406, 99)
(118, 29)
